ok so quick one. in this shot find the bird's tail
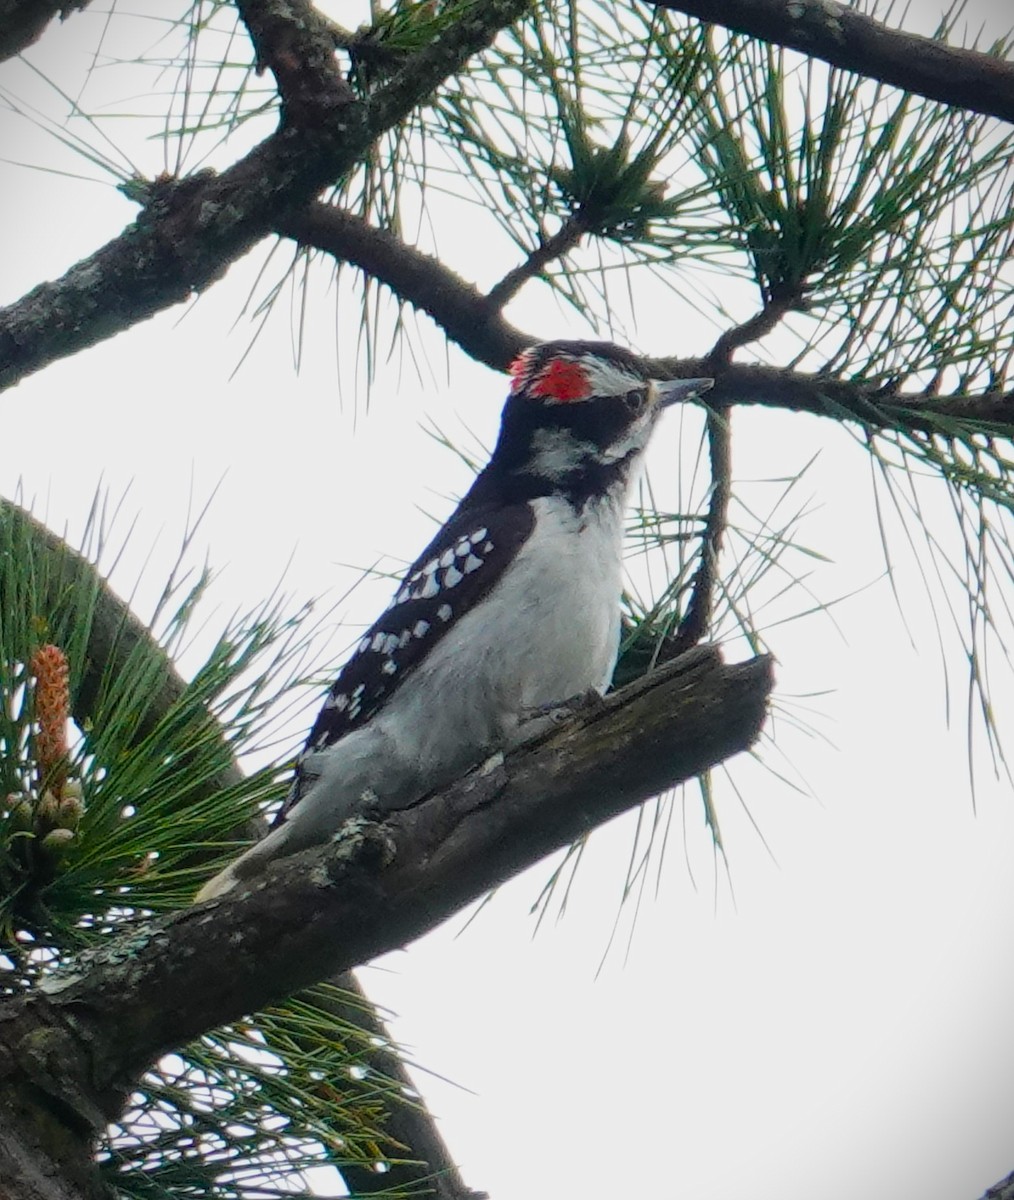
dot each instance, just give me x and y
(218, 885)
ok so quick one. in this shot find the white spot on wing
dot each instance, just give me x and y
(420, 629)
(430, 590)
(452, 577)
(389, 667)
(444, 612)
(488, 546)
(447, 558)
(471, 564)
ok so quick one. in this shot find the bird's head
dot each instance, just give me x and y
(582, 413)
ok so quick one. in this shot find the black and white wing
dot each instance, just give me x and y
(453, 574)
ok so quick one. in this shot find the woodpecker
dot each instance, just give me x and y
(512, 608)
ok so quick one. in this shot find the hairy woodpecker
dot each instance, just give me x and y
(511, 609)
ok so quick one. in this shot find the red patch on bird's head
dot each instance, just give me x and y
(558, 382)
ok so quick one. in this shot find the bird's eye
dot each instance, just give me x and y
(636, 399)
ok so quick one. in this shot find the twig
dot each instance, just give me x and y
(565, 239)
(758, 326)
(696, 621)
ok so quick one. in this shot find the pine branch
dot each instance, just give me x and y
(105, 1018)
(848, 39)
(844, 400)
(408, 1124)
(115, 635)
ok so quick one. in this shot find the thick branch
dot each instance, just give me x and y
(849, 39)
(296, 44)
(380, 886)
(460, 309)
(1004, 1190)
(23, 22)
(190, 230)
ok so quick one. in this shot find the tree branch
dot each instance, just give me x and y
(296, 44)
(841, 400)
(845, 38)
(466, 316)
(23, 22)
(1004, 1190)
(106, 1017)
(468, 320)
(191, 229)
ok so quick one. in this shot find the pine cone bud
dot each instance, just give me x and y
(56, 843)
(46, 810)
(52, 711)
(22, 814)
(69, 813)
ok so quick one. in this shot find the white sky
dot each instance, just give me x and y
(842, 1028)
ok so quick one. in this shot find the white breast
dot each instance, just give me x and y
(548, 631)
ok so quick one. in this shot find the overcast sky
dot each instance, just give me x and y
(831, 1016)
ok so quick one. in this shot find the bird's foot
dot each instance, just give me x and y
(534, 723)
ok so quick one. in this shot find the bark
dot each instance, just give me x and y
(845, 38)
(23, 22)
(1004, 1190)
(71, 1049)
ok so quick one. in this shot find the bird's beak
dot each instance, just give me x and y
(675, 391)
